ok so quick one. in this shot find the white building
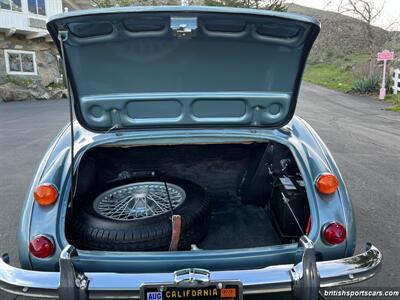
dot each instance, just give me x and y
(27, 17)
(27, 54)
(29, 61)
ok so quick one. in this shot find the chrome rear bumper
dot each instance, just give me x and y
(304, 279)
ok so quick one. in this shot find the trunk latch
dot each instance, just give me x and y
(185, 28)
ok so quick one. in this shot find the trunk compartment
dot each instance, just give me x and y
(245, 185)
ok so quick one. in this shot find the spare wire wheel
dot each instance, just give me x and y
(136, 216)
(139, 200)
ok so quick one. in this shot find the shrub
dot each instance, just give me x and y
(366, 85)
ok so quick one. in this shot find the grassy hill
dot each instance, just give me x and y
(341, 54)
(340, 35)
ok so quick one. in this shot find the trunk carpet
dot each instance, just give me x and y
(238, 226)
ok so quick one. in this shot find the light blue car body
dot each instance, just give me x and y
(313, 159)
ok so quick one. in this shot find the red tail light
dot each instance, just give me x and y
(327, 183)
(334, 233)
(45, 194)
(41, 246)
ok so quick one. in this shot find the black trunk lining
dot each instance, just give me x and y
(217, 168)
(234, 176)
(235, 225)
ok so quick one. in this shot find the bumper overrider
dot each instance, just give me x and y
(303, 279)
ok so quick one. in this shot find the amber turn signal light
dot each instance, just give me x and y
(45, 194)
(327, 183)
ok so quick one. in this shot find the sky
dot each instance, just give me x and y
(390, 13)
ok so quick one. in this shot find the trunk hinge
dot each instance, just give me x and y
(62, 37)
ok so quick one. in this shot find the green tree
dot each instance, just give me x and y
(367, 11)
(277, 5)
(111, 3)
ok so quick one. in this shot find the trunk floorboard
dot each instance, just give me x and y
(239, 226)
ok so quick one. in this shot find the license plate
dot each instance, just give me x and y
(193, 291)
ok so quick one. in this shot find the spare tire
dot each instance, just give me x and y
(137, 216)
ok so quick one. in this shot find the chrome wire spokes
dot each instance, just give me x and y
(138, 201)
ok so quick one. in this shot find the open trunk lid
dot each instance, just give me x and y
(184, 66)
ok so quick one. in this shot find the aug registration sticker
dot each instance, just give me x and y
(154, 296)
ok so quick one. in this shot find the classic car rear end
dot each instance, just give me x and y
(187, 175)
(234, 247)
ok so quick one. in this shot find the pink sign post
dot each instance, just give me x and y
(384, 56)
